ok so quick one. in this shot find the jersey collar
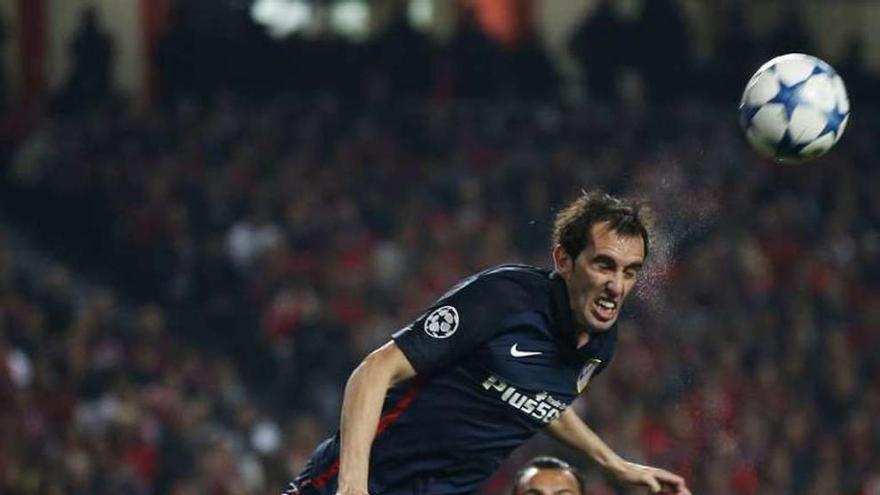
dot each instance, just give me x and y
(561, 310)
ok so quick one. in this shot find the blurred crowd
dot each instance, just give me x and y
(264, 249)
(618, 54)
(224, 261)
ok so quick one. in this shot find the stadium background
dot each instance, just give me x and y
(211, 210)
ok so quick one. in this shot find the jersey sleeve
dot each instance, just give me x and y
(466, 316)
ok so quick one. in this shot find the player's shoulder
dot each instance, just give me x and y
(515, 282)
(524, 276)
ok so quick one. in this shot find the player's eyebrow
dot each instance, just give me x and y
(604, 258)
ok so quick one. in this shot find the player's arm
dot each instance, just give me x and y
(459, 321)
(572, 431)
(361, 408)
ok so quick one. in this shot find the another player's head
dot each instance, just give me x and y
(548, 476)
(599, 246)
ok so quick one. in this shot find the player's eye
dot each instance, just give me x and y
(604, 263)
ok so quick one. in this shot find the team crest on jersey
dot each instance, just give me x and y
(442, 322)
(587, 373)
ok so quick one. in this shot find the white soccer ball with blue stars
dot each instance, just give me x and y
(794, 109)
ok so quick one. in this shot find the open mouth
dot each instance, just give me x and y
(604, 308)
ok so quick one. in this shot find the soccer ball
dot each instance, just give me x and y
(794, 108)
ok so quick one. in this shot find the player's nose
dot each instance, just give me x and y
(614, 285)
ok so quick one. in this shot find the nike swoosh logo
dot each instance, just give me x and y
(518, 353)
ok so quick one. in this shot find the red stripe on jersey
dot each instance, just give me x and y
(401, 406)
(384, 422)
(324, 477)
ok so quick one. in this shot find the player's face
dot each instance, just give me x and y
(601, 276)
(547, 482)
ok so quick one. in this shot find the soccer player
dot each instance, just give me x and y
(494, 360)
(548, 476)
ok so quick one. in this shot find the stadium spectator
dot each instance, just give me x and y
(602, 46)
(92, 55)
(663, 55)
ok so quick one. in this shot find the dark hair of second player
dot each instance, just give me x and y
(546, 463)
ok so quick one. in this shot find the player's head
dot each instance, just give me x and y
(548, 476)
(599, 245)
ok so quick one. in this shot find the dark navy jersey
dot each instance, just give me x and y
(496, 361)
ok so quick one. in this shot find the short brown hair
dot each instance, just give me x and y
(627, 217)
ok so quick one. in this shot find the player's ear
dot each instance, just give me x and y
(562, 262)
